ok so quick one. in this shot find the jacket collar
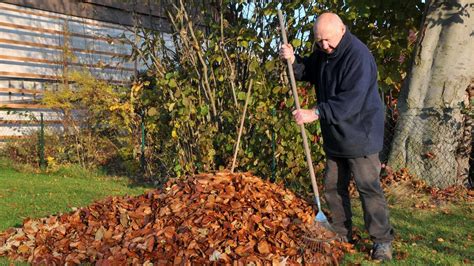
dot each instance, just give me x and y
(342, 46)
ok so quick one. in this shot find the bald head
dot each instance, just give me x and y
(328, 20)
(328, 31)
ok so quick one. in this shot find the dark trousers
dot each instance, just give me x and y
(366, 172)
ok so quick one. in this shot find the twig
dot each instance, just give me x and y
(241, 126)
(198, 48)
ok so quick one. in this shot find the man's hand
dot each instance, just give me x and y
(305, 116)
(286, 52)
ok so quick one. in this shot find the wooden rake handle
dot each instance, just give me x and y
(297, 103)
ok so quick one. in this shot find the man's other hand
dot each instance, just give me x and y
(305, 116)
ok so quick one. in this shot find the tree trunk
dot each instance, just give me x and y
(433, 137)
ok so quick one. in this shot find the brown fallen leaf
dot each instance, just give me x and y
(240, 250)
(23, 249)
(100, 233)
(263, 247)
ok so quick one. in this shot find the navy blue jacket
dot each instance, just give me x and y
(351, 111)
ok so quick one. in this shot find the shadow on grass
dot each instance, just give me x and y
(135, 173)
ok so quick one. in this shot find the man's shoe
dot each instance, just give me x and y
(382, 251)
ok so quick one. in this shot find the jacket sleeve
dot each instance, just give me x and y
(302, 67)
(360, 74)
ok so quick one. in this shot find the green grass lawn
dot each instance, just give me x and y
(437, 236)
(25, 195)
(441, 234)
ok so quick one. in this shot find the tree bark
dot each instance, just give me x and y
(432, 131)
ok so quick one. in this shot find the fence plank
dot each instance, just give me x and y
(17, 137)
(22, 91)
(22, 106)
(29, 122)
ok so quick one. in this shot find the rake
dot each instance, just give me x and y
(313, 239)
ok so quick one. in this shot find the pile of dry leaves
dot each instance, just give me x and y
(211, 218)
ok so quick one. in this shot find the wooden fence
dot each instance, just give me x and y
(33, 59)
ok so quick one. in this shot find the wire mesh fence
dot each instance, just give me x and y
(47, 136)
(430, 144)
(435, 145)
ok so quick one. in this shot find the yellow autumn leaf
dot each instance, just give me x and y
(23, 249)
(137, 87)
(114, 107)
(152, 111)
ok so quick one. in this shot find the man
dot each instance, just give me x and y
(350, 111)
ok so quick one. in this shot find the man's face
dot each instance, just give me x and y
(327, 39)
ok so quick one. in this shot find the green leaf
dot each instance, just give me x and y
(241, 95)
(219, 59)
(244, 44)
(386, 44)
(296, 42)
(204, 110)
(186, 102)
(162, 82)
(254, 65)
(172, 83)
(389, 81)
(269, 11)
(270, 65)
(226, 114)
(351, 16)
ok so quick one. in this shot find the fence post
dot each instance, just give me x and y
(42, 162)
